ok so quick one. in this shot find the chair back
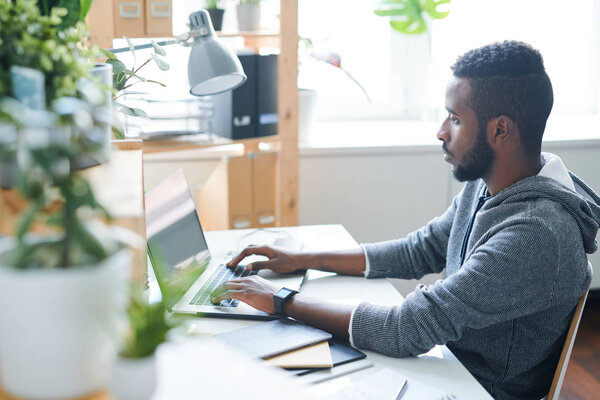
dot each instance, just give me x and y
(561, 369)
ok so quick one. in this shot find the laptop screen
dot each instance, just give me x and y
(176, 244)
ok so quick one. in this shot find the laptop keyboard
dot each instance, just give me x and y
(221, 275)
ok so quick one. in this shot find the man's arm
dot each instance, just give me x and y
(258, 292)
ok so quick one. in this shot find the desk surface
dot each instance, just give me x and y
(438, 368)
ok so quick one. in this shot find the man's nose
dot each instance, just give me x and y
(442, 133)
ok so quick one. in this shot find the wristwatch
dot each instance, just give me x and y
(279, 298)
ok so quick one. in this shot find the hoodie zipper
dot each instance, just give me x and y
(463, 251)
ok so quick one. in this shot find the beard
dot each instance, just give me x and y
(477, 163)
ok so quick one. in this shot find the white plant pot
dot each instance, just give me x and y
(307, 104)
(248, 17)
(134, 379)
(59, 327)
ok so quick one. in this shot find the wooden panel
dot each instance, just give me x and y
(159, 18)
(240, 192)
(287, 162)
(264, 167)
(100, 22)
(225, 200)
(128, 18)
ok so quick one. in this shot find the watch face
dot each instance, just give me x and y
(283, 293)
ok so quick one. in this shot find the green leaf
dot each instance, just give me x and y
(131, 47)
(84, 8)
(118, 66)
(162, 65)
(109, 55)
(27, 218)
(158, 50)
(431, 6)
(117, 132)
(411, 27)
(139, 113)
(119, 81)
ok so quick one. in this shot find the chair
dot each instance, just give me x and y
(563, 362)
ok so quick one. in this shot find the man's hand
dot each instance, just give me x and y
(254, 291)
(280, 260)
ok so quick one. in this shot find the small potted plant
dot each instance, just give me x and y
(248, 15)
(147, 328)
(124, 78)
(216, 13)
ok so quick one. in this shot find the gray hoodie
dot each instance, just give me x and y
(504, 312)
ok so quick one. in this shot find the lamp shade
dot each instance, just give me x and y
(212, 67)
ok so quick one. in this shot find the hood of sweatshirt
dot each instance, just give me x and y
(583, 204)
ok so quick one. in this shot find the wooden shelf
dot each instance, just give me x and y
(286, 142)
(204, 142)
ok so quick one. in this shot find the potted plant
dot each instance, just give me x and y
(124, 78)
(409, 20)
(64, 273)
(149, 324)
(216, 13)
(248, 15)
(43, 56)
(65, 285)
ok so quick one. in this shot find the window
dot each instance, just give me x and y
(405, 76)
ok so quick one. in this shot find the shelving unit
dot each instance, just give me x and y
(286, 141)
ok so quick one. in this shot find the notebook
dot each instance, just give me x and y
(341, 353)
(273, 338)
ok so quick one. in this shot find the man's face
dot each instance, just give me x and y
(465, 145)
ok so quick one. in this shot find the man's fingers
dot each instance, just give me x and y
(258, 265)
(227, 294)
(249, 251)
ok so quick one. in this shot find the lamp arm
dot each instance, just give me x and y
(183, 39)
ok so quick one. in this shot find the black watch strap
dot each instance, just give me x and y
(280, 297)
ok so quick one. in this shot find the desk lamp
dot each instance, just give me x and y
(212, 67)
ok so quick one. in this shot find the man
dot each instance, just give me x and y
(513, 242)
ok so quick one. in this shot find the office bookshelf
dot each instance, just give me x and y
(286, 140)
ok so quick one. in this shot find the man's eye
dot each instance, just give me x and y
(453, 119)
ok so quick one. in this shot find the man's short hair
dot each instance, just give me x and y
(509, 79)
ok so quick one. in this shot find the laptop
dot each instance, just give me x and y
(181, 259)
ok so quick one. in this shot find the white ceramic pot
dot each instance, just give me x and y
(58, 335)
(307, 104)
(134, 379)
(248, 17)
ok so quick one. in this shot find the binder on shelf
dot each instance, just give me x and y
(266, 97)
(129, 18)
(225, 200)
(250, 110)
(159, 18)
(264, 167)
(243, 101)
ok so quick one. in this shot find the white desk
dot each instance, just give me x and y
(438, 368)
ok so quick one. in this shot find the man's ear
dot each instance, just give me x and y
(500, 130)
